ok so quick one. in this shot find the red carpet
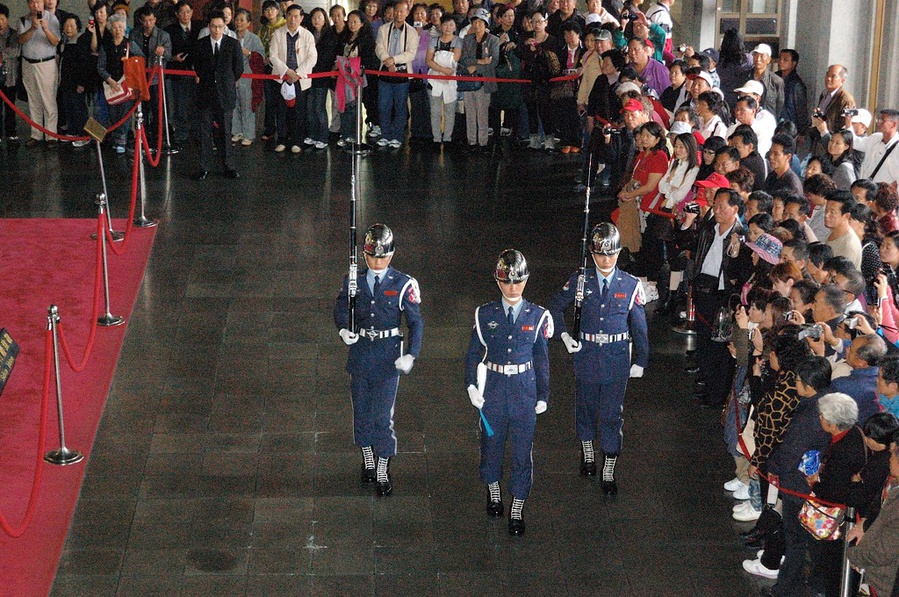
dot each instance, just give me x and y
(48, 262)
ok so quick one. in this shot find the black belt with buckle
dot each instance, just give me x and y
(38, 61)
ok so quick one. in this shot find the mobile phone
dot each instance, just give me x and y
(40, 15)
(418, 24)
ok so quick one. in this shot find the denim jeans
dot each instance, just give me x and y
(317, 114)
(392, 109)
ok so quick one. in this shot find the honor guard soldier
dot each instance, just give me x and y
(612, 320)
(376, 356)
(507, 376)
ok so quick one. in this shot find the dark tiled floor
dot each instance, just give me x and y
(224, 463)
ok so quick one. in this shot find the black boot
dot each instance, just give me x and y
(494, 501)
(516, 521)
(609, 486)
(588, 459)
(384, 487)
(368, 465)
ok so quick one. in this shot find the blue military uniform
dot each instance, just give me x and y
(517, 378)
(610, 324)
(374, 377)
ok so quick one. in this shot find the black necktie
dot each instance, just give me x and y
(605, 289)
(215, 50)
(377, 286)
(511, 316)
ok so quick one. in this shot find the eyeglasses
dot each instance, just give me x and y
(537, 21)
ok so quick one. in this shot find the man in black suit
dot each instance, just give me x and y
(182, 90)
(218, 62)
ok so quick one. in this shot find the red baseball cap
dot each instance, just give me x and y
(714, 181)
(633, 105)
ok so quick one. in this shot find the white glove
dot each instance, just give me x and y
(348, 337)
(404, 363)
(636, 371)
(571, 345)
(474, 395)
(540, 408)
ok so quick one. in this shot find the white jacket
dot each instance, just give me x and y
(306, 54)
(409, 45)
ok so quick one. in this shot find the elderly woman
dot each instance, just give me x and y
(444, 52)
(115, 48)
(243, 127)
(840, 462)
(480, 55)
(877, 550)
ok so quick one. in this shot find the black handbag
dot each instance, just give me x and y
(462, 86)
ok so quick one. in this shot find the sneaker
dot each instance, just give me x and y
(733, 485)
(758, 569)
(374, 130)
(279, 148)
(742, 492)
(320, 144)
(504, 132)
(236, 138)
(80, 143)
(246, 142)
(489, 131)
(747, 514)
(343, 142)
(740, 506)
(383, 142)
(308, 141)
(395, 144)
(120, 149)
(295, 149)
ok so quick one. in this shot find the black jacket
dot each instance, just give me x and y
(803, 433)
(218, 76)
(841, 460)
(77, 65)
(734, 276)
(183, 43)
(326, 48)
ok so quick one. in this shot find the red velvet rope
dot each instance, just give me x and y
(33, 124)
(119, 251)
(381, 73)
(16, 532)
(98, 283)
(745, 450)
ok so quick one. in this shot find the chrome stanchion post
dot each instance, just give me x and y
(167, 148)
(358, 147)
(116, 236)
(107, 319)
(846, 568)
(141, 221)
(63, 455)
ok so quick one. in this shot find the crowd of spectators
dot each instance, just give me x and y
(772, 212)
